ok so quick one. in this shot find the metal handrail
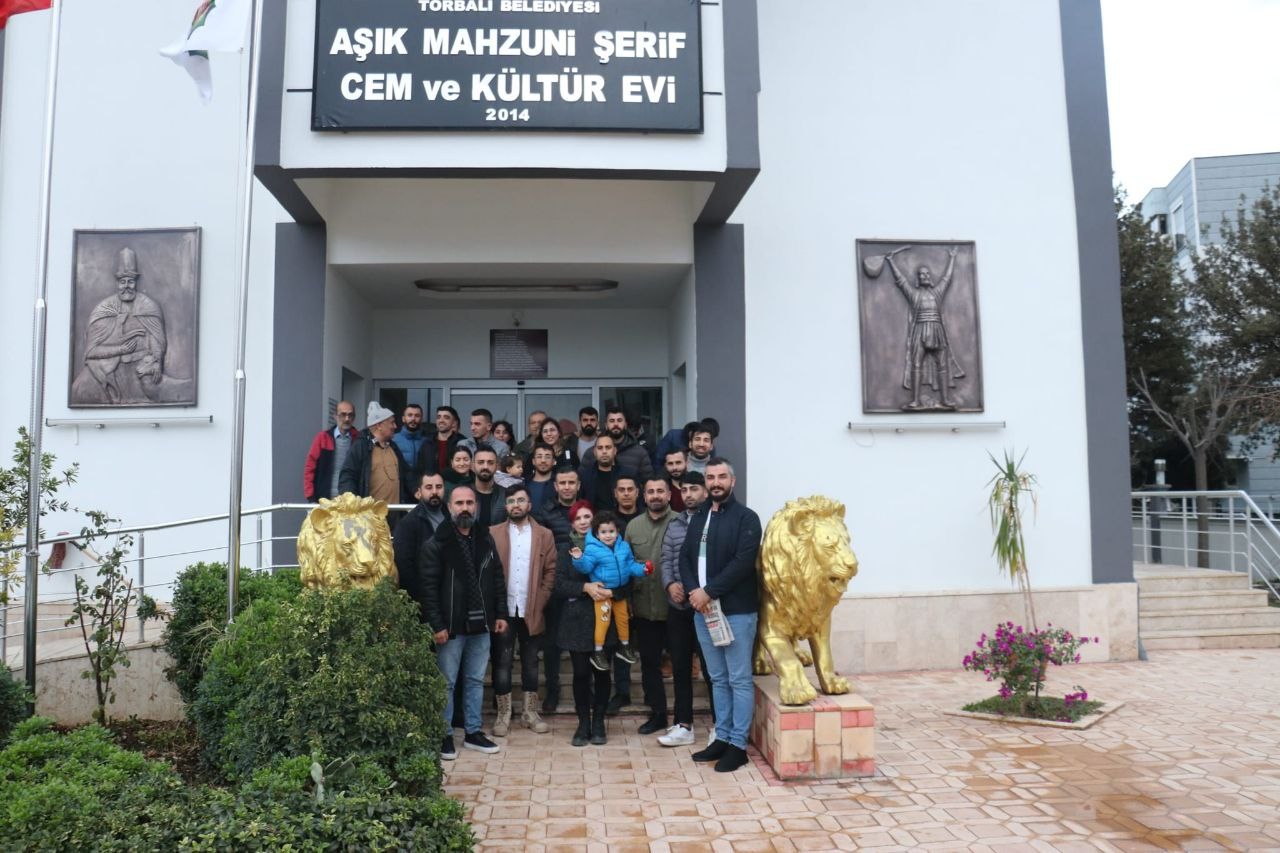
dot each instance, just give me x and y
(1252, 537)
(20, 544)
(141, 557)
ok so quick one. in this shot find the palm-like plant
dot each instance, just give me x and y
(1010, 486)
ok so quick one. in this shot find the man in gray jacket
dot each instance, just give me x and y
(631, 455)
(682, 638)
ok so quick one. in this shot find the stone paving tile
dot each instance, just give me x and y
(1192, 762)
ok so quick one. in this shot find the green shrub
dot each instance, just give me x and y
(345, 674)
(278, 809)
(79, 791)
(200, 614)
(13, 702)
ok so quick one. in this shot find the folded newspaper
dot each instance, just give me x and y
(717, 624)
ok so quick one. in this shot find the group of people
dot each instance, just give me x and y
(592, 542)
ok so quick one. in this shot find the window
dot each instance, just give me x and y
(1179, 228)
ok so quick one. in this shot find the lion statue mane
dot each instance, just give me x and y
(805, 565)
(344, 543)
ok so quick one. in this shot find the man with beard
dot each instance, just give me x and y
(465, 599)
(541, 481)
(413, 531)
(528, 554)
(673, 463)
(491, 499)
(124, 345)
(600, 475)
(413, 440)
(554, 515)
(675, 438)
(648, 598)
(588, 424)
(701, 444)
(718, 567)
(447, 436)
(630, 455)
(682, 637)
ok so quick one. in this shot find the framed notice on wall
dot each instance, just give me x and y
(607, 65)
(517, 353)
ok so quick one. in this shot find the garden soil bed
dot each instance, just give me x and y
(1084, 722)
(170, 741)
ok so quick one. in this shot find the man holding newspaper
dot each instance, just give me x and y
(718, 567)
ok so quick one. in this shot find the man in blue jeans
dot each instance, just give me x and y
(464, 594)
(718, 566)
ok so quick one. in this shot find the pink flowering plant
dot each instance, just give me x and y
(1019, 659)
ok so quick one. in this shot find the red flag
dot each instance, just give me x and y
(14, 7)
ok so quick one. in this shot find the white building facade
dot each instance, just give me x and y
(733, 252)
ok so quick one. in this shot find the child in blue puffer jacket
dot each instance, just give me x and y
(608, 560)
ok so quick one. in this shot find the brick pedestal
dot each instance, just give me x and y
(833, 737)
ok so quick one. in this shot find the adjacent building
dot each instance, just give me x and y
(1191, 209)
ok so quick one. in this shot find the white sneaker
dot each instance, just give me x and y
(677, 735)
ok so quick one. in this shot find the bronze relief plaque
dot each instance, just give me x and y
(920, 336)
(134, 318)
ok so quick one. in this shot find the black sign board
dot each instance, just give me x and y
(517, 353)
(608, 65)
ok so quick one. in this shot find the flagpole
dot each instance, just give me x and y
(242, 318)
(35, 425)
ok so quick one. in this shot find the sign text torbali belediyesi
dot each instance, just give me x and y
(508, 64)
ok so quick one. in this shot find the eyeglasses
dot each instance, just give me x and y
(517, 500)
(346, 414)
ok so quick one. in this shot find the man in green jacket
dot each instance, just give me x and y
(649, 599)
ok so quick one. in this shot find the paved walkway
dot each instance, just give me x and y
(1192, 762)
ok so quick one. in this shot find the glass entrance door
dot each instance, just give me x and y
(505, 405)
(562, 399)
(559, 403)
(515, 404)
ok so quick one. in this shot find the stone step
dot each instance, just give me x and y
(1159, 602)
(1190, 580)
(1221, 638)
(1209, 618)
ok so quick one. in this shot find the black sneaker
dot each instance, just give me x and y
(448, 752)
(599, 661)
(551, 702)
(655, 723)
(480, 743)
(616, 703)
(713, 751)
(733, 758)
(598, 736)
(627, 654)
(583, 733)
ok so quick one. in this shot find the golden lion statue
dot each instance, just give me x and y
(345, 542)
(805, 564)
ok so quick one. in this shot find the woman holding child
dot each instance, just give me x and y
(578, 632)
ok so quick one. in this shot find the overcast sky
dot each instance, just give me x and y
(1189, 78)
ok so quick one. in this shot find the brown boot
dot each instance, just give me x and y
(530, 714)
(502, 724)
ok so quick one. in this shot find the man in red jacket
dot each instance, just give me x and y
(328, 451)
